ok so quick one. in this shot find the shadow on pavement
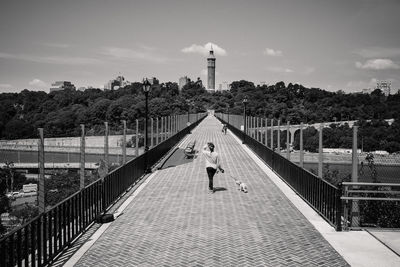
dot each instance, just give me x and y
(217, 189)
(178, 158)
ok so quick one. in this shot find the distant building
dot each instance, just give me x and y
(61, 85)
(82, 88)
(9, 221)
(384, 86)
(224, 86)
(366, 91)
(153, 81)
(339, 150)
(116, 83)
(211, 71)
(29, 188)
(183, 81)
(262, 83)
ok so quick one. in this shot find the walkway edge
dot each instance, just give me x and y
(358, 248)
(87, 245)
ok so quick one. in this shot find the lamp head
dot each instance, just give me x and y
(146, 85)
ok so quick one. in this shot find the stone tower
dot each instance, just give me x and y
(211, 70)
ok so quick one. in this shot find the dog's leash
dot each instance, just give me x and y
(233, 178)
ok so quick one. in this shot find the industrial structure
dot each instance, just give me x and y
(211, 71)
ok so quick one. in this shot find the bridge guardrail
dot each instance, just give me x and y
(371, 205)
(39, 241)
(322, 196)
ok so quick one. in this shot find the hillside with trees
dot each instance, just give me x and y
(61, 113)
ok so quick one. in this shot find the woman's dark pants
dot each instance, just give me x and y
(211, 172)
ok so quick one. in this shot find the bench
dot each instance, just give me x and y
(189, 150)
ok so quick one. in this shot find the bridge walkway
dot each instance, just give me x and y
(174, 221)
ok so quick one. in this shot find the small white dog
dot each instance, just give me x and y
(241, 186)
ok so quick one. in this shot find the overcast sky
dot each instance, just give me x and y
(334, 45)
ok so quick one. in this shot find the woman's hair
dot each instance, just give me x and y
(210, 145)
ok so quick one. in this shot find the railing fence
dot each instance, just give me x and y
(319, 194)
(39, 241)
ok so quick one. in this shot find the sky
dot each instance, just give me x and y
(330, 44)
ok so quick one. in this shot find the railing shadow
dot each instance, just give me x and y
(178, 158)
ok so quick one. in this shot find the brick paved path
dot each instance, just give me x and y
(175, 222)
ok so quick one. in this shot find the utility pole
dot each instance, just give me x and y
(41, 198)
(82, 159)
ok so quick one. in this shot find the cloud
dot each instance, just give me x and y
(205, 49)
(38, 83)
(309, 70)
(362, 84)
(56, 45)
(147, 47)
(130, 54)
(378, 64)
(280, 70)
(273, 53)
(63, 60)
(374, 52)
(5, 85)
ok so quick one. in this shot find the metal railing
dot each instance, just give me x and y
(39, 241)
(322, 196)
(371, 205)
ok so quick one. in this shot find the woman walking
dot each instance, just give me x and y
(212, 164)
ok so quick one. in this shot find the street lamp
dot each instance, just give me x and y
(244, 118)
(146, 90)
(227, 108)
(190, 106)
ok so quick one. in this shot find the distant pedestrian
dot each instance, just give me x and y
(212, 164)
(224, 128)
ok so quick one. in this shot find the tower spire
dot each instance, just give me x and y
(211, 70)
(211, 51)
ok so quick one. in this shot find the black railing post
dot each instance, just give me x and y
(244, 120)
(103, 192)
(339, 209)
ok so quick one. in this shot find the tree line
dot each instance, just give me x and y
(296, 103)
(60, 113)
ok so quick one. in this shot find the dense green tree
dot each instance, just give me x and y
(17, 128)
(60, 113)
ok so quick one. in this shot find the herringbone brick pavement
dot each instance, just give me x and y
(175, 222)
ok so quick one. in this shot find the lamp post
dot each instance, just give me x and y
(190, 106)
(228, 114)
(146, 90)
(244, 119)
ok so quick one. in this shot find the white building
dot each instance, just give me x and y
(224, 86)
(116, 83)
(61, 85)
(384, 86)
(183, 81)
